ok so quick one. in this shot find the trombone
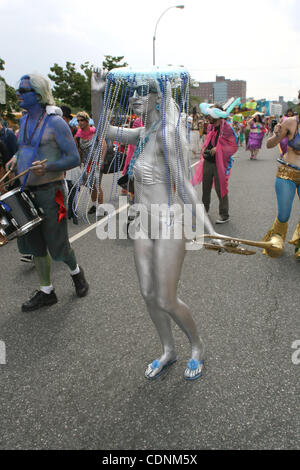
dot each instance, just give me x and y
(233, 245)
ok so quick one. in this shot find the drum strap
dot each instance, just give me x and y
(35, 149)
(5, 206)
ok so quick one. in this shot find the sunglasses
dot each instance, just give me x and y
(81, 120)
(142, 90)
(22, 91)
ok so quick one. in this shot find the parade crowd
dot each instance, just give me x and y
(53, 153)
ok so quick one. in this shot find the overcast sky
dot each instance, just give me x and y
(246, 40)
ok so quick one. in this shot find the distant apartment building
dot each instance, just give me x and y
(220, 90)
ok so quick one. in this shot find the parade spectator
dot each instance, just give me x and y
(67, 117)
(8, 137)
(201, 129)
(247, 130)
(84, 138)
(72, 175)
(15, 129)
(195, 123)
(131, 148)
(274, 123)
(3, 158)
(242, 134)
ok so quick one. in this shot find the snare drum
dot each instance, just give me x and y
(18, 213)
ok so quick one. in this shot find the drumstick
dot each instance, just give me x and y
(24, 172)
(6, 174)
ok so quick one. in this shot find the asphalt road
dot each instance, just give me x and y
(74, 377)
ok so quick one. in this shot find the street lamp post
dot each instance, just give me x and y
(154, 36)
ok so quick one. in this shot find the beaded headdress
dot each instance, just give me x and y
(172, 87)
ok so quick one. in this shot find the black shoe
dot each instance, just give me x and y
(101, 212)
(27, 258)
(223, 220)
(39, 299)
(80, 283)
(75, 220)
(92, 210)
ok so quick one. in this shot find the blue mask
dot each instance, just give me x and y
(27, 97)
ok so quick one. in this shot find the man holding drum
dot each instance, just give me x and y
(45, 135)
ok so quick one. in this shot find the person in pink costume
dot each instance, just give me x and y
(216, 161)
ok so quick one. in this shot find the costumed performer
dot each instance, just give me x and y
(158, 165)
(45, 135)
(256, 135)
(286, 185)
(284, 143)
(216, 158)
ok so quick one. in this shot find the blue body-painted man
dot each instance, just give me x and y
(46, 182)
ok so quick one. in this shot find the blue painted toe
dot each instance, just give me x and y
(156, 365)
(193, 364)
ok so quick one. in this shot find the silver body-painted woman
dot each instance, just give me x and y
(159, 261)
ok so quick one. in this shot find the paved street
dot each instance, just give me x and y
(74, 377)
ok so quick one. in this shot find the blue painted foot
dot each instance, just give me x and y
(156, 370)
(194, 370)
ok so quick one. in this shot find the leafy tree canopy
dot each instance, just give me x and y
(12, 104)
(73, 87)
(111, 62)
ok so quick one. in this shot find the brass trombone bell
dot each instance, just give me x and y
(237, 250)
(273, 247)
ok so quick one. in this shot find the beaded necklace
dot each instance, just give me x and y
(116, 105)
(143, 146)
(26, 140)
(140, 147)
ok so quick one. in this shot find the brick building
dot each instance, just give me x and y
(220, 90)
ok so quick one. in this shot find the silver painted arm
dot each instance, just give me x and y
(123, 135)
(98, 84)
(188, 193)
(97, 91)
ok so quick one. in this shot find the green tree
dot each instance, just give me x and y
(111, 62)
(73, 87)
(12, 104)
(292, 105)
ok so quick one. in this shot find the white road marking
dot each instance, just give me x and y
(100, 222)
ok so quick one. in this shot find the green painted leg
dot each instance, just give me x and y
(43, 265)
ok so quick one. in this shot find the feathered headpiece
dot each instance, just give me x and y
(215, 113)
